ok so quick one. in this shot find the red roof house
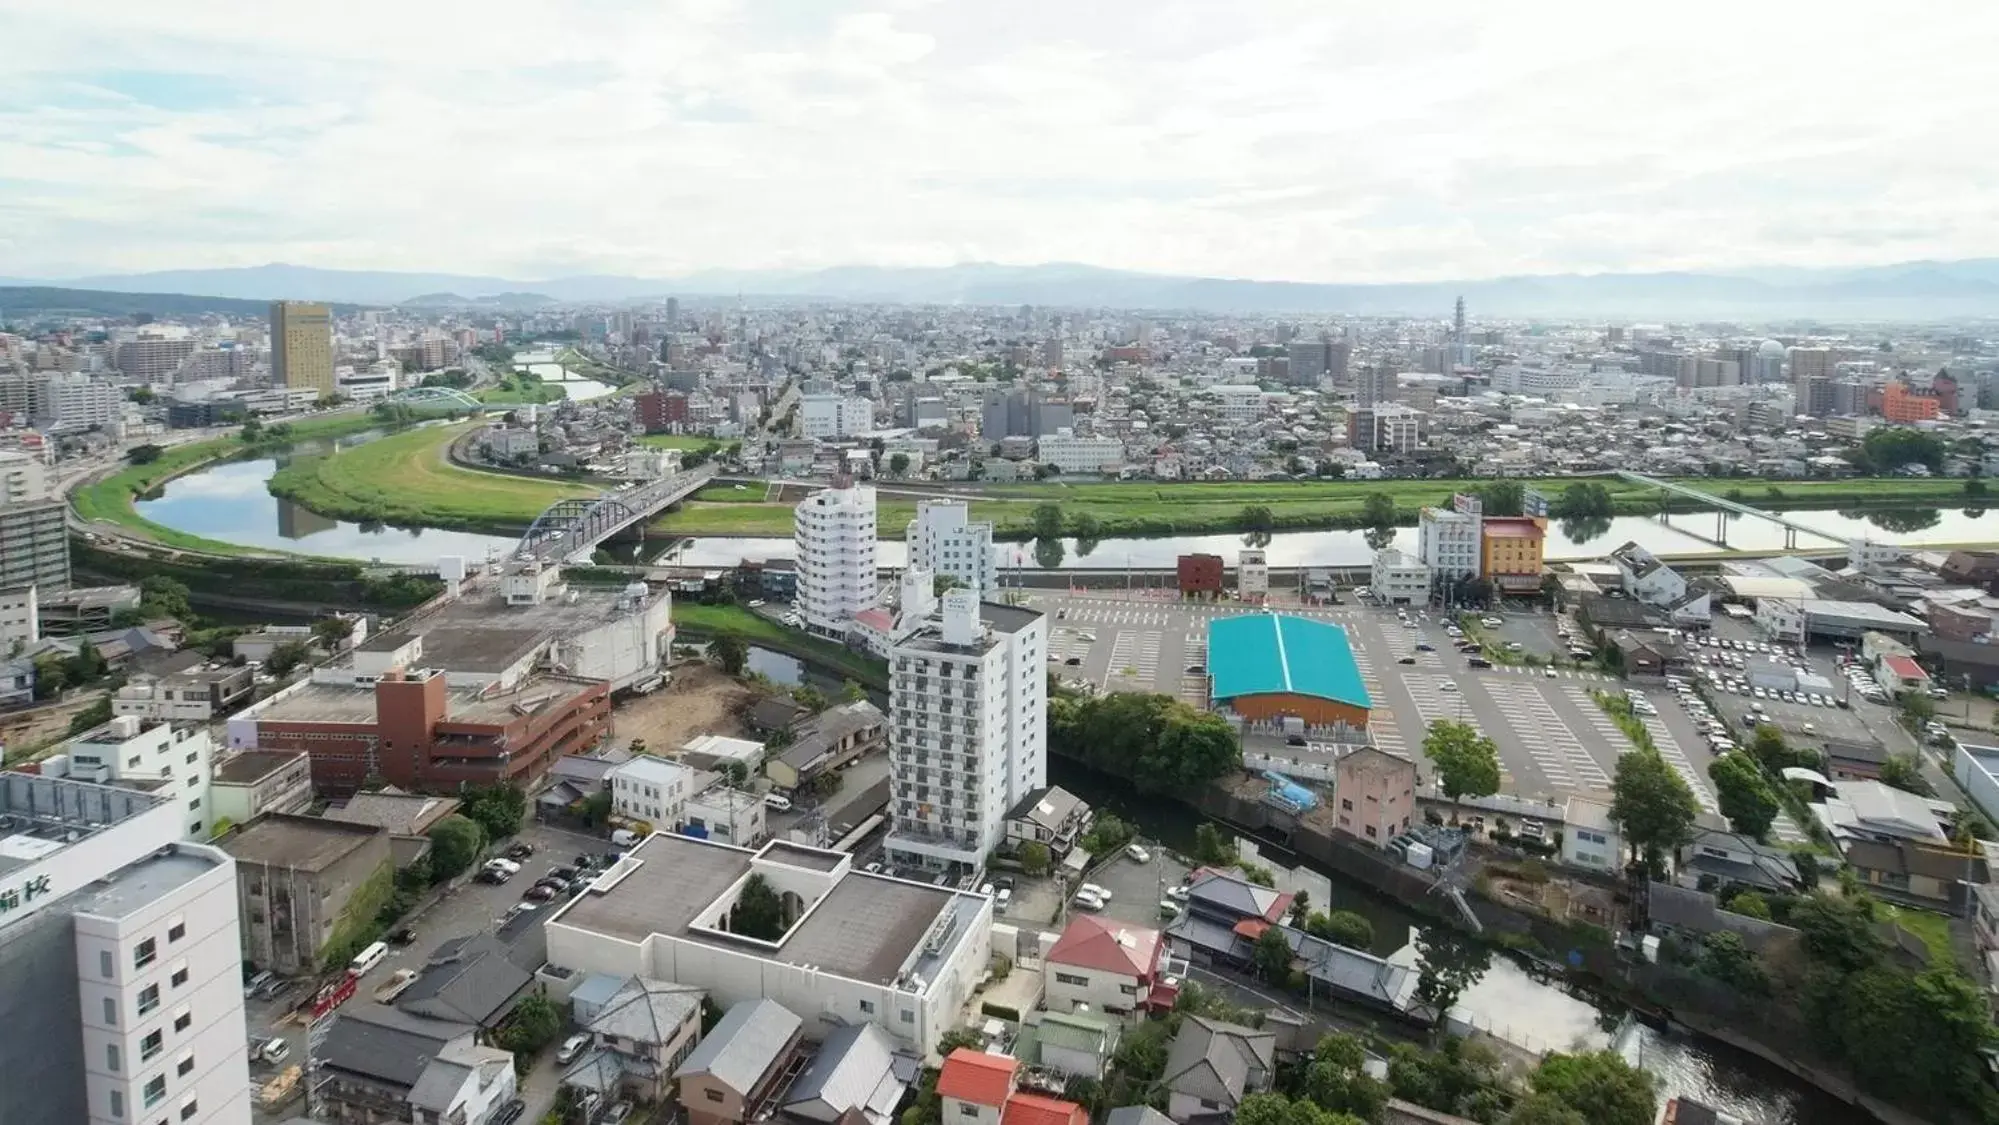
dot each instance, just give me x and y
(1106, 965)
(977, 1077)
(1033, 1109)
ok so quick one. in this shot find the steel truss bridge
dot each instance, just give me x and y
(448, 397)
(574, 527)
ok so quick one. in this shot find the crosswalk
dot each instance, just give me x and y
(1381, 724)
(1139, 614)
(1560, 673)
(1065, 643)
(1557, 752)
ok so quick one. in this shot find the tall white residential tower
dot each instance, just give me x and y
(946, 541)
(835, 536)
(968, 730)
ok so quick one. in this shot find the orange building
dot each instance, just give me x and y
(1900, 403)
(1511, 550)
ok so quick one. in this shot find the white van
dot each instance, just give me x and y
(506, 865)
(777, 801)
(625, 837)
(368, 958)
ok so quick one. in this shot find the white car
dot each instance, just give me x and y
(571, 1047)
(1447, 686)
(1138, 853)
(1085, 901)
(1095, 891)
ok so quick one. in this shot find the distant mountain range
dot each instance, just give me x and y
(20, 302)
(1909, 290)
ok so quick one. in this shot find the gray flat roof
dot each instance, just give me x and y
(865, 928)
(800, 856)
(308, 843)
(255, 765)
(144, 883)
(482, 633)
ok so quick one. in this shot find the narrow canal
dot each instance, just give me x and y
(1506, 1001)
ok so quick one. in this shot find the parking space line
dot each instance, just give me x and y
(1555, 749)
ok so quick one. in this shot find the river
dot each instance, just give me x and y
(228, 502)
(1506, 1001)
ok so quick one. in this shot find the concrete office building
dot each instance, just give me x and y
(34, 546)
(945, 540)
(153, 358)
(72, 401)
(1073, 454)
(968, 730)
(302, 345)
(121, 994)
(834, 534)
(297, 877)
(834, 416)
(24, 479)
(855, 948)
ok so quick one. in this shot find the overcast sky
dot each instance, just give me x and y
(1317, 140)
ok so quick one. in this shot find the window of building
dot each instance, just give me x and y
(1072, 979)
(868, 1007)
(118, 1103)
(111, 1010)
(967, 1109)
(183, 1020)
(151, 1045)
(149, 998)
(156, 1090)
(186, 1065)
(144, 953)
(189, 1109)
(180, 975)
(105, 967)
(112, 1057)
(712, 1095)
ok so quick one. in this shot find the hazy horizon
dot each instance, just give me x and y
(1288, 141)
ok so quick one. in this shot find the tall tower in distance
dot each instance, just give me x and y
(1458, 324)
(302, 345)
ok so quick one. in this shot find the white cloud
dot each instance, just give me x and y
(1337, 141)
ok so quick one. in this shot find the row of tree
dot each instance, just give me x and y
(1158, 743)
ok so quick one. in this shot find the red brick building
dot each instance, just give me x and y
(414, 731)
(1200, 574)
(660, 411)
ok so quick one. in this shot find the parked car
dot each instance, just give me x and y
(1138, 852)
(1096, 891)
(1087, 901)
(403, 936)
(540, 892)
(520, 851)
(274, 1051)
(258, 981)
(571, 1047)
(508, 1114)
(1405, 660)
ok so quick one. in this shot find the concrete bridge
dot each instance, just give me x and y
(1792, 528)
(574, 527)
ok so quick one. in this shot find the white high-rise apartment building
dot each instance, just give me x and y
(75, 401)
(1448, 540)
(968, 730)
(834, 531)
(834, 416)
(120, 963)
(945, 540)
(23, 478)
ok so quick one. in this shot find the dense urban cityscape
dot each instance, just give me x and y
(763, 658)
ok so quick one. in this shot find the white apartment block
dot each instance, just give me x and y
(727, 816)
(1399, 579)
(1448, 541)
(171, 761)
(834, 534)
(968, 730)
(20, 618)
(1072, 454)
(76, 401)
(945, 540)
(24, 479)
(834, 416)
(1241, 402)
(114, 929)
(652, 790)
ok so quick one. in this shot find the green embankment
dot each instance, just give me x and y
(1170, 509)
(110, 498)
(714, 620)
(408, 479)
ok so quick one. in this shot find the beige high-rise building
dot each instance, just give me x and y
(302, 345)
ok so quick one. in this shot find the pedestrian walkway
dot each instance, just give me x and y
(1560, 673)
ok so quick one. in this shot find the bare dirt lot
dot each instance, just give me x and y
(700, 699)
(22, 732)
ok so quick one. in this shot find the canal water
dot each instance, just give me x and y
(1506, 1001)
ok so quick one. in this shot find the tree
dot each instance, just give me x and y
(1583, 501)
(596, 808)
(809, 697)
(1256, 517)
(1276, 1109)
(1728, 959)
(87, 665)
(1599, 1084)
(736, 773)
(1301, 909)
(1107, 834)
(1466, 762)
(253, 429)
(1745, 797)
(91, 717)
(1086, 527)
(1272, 955)
(1450, 964)
(1457, 1076)
(1378, 510)
(1211, 847)
(286, 657)
(499, 809)
(534, 1023)
(144, 454)
(1916, 708)
(1047, 520)
(455, 842)
(1888, 449)
(51, 676)
(1652, 805)
(1338, 1081)
(1905, 772)
(1776, 755)
(1342, 927)
(1545, 1109)
(898, 464)
(1034, 858)
(1502, 498)
(730, 652)
(1749, 904)
(758, 912)
(330, 631)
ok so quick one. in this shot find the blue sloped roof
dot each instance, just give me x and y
(1261, 653)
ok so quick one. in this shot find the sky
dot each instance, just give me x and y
(1308, 140)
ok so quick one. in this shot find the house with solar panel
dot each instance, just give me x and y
(1266, 668)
